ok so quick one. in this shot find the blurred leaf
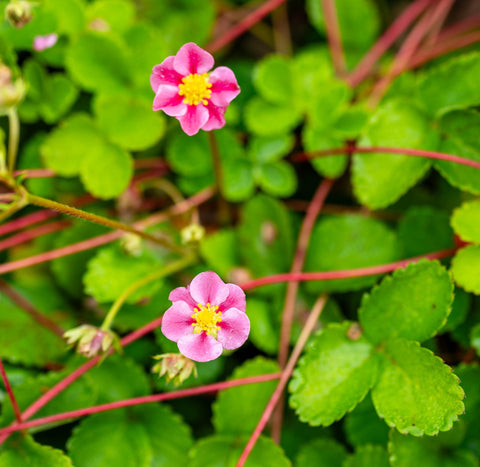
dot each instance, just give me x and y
(416, 392)
(277, 179)
(333, 376)
(266, 149)
(324, 452)
(264, 326)
(466, 221)
(237, 410)
(70, 15)
(380, 179)
(460, 307)
(368, 456)
(218, 249)
(238, 184)
(466, 268)
(189, 156)
(347, 242)
(412, 303)
(118, 14)
(273, 79)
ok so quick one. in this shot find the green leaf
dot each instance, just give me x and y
(24, 451)
(428, 452)
(238, 183)
(368, 456)
(277, 179)
(273, 79)
(333, 376)
(64, 150)
(358, 20)
(351, 122)
(416, 393)
(237, 410)
(225, 451)
(362, 426)
(265, 149)
(416, 227)
(324, 452)
(347, 242)
(380, 179)
(264, 325)
(128, 122)
(466, 220)
(451, 85)
(459, 130)
(98, 62)
(70, 15)
(460, 307)
(413, 303)
(266, 119)
(189, 156)
(112, 271)
(118, 14)
(106, 170)
(466, 268)
(219, 251)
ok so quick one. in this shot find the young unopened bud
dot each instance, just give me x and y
(175, 367)
(91, 341)
(11, 92)
(192, 234)
(19, 13)
(131, 244)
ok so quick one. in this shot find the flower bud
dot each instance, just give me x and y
(192, 234)
(131, 244)
(91, 341)
(175, 367)
(11, 92)
(19, 13)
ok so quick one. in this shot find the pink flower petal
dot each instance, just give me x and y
(177, 321)
(191, 59)
(236, 299)
(183, 295)
(234, 329)
(165, 74)
(224, 86)
(207, 287)
(216, 118)
(44, 42)
(168, 100)
(194, 118)
(200, 347)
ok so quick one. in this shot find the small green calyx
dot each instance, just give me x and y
(175, 367)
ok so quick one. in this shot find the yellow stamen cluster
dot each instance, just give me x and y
(206, 318)
(195, 89)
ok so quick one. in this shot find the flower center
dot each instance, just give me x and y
(195, 89)
(206, 318)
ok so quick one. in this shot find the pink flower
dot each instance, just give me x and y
(206, 317)
(184, 89)
(44, 42)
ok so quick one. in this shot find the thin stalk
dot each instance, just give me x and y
(13, 137)
(334, 37)
(166, 271)
(286, 373)
(344, 273)
(113, 224)
(11, 395)
(182, 393)
(12, 209)
(281, 31)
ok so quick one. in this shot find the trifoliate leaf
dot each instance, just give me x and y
(459, 131)
(266, 119)
(98, 62)
(406, 451)
(466, 268)
(237, 410)
(362, 426)
(66, 148)
(466, 221)
(128, 121)
(415, 392)
(333, 376)
(24, 451)
(424, 229)
(106, 170)
(324, 452)
(381, 179)
(346, 242)
(413, 303)
(451, 85)
(225, 451)
(112, 271)
(368, 456)
(273, 79)
(277, 179)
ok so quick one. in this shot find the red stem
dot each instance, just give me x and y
(334, 37)
(244, 25)
(345, 273)
(209, 388)
(287, 372)
(24, 237)
(35, 173)
(460, 27)
(11, 395)
(303, 156)
(408, 16)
